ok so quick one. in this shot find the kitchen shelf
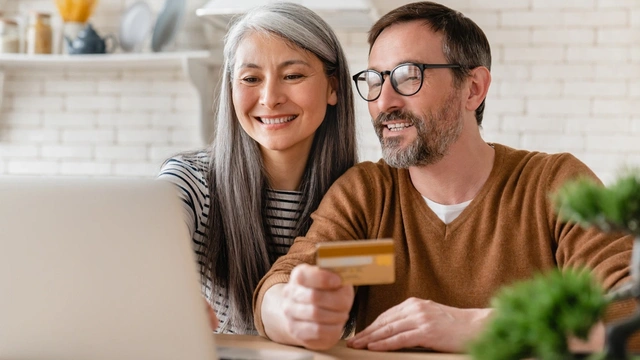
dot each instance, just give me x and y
(201, 67)
(120, 60)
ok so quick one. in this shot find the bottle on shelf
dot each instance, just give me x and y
(39, 33)
(9, 37)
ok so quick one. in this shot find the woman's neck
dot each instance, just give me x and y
(285, 168)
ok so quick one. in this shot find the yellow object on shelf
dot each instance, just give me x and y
(76, 10)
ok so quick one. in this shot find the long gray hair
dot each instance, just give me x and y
(236, 255)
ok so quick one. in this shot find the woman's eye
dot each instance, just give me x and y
(249, 79)
(293, 77)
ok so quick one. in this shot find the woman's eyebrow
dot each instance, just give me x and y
(294, 62)
(249, 65)
(281, 65)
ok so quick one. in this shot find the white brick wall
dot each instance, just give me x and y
(566, 77)
(575, 66)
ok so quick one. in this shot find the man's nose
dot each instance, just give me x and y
(272, 94)
(389, 100)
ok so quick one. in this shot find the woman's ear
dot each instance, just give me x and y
(479, 81)
(332, 91)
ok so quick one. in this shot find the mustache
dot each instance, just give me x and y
(395, 115)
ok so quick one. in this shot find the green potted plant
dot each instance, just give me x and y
(612, 208)
(534, 318)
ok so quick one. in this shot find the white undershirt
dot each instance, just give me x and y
(447, 213)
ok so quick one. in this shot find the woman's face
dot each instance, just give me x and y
(280, 93)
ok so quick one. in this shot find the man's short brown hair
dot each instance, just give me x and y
(464, 43)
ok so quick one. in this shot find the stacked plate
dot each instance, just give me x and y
(137, 22)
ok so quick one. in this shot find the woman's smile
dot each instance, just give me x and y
(275, 120)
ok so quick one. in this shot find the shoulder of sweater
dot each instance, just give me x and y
(554, 167)
(379, 170)
(539, 158)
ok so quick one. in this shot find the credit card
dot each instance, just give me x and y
(359, 262)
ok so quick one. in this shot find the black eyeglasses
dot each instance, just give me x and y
(406, 79)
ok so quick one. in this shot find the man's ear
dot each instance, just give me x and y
(478, 83)
(332, 91)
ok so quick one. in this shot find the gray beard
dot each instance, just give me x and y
(436, 132)
(413, 154)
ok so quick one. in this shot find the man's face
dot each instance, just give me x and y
(419, 129)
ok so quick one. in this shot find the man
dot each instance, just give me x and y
(467, 217)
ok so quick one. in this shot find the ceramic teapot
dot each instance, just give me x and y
(89, 42)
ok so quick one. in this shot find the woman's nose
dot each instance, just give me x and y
(272, 94)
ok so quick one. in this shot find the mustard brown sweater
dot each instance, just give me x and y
(507, 233)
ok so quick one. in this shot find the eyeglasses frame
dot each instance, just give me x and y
(422, 68)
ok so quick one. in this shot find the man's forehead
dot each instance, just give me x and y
(406, 42)
(396, 63)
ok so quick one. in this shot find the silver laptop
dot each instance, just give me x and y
(102, 269)
(98, 269)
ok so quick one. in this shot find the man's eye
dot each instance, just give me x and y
(406, 78)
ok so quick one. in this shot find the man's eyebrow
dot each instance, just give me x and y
(403, 61)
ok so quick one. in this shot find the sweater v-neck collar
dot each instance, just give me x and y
(425, 211)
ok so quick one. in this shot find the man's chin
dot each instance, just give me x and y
(394, 143)
(408, 157)
(396, 164)
(395, 158)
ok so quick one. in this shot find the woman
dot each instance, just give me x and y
(285, 130)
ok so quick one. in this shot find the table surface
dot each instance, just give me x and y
(340, 351)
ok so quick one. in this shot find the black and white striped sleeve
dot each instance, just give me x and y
(188, 174)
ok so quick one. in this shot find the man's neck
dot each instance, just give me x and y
(460, 175)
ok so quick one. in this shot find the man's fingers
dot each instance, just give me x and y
(334, 300)
(382, 331)
(316, 306)
(405, 339)
(313, 335)
(391, 315)
(391, 329)
(314, 277)
(311, 313)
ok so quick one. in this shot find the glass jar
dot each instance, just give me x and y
(9, 37)
(39, 33)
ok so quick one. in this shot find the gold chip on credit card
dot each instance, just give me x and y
(359, 262)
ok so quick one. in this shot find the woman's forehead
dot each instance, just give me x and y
(268, 48)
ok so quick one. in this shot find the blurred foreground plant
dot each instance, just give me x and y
(534, 318)
(612, 208)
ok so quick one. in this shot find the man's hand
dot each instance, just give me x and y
(422, 323)
(313, 308)
(594, 343)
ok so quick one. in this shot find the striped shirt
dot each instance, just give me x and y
(189, 174)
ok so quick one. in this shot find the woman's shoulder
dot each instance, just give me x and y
(196, 161)
(189, 167)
